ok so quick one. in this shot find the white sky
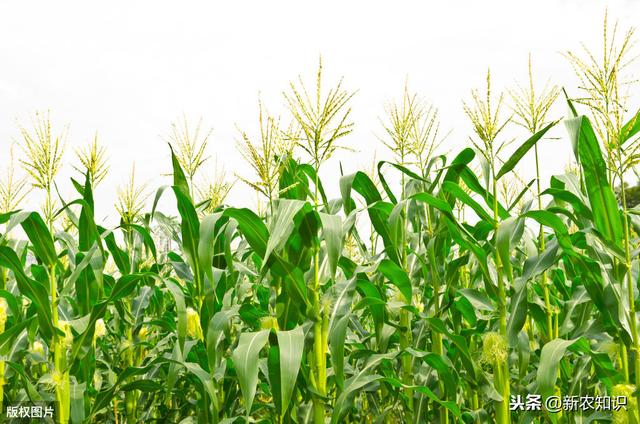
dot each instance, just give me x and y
(128, 69)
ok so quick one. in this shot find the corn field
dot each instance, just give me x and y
(435, 287)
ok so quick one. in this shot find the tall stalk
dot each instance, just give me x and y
(322, 121)
(487, 124)
(541, 248)
(502, 368)
(402, 119)
(60, 371)
(3, 321)
(43, 161)
(531, 108)
(130, 395)
(633, 324)
(130, 203)
(4, 309)
(405, 315)
(320, 330)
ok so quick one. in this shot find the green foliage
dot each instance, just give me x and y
(430, 301)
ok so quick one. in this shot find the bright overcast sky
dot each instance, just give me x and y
(128, 69)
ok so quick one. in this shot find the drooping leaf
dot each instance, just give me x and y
(338, 321)
(9, 335)
(245, 360)
(398, 277)
(291, 346)
(41, 239)
(252, 228)
(552, 353)
(31, 288)
(283, 224)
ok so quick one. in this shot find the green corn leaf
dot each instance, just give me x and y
(282, 226)
(361, 183)
(12, 303)
(507, 237)
(602, 199)
(41, 239)
(337, 335)
(400, 168)
(5, 217)
(342, 298)
(119, 256)
(552, 353)
(219, 324)
(86, 286)
(523, 149)
(251, 227)
(630, 129)
(126, 285)
(550, 220)
(474, 185)
(123, 287)
(86, 226)
(378, 210)
(458, 193)
(520, 195)
(517, 314)
(206, 244)
(33, 289)
(459, 341)
(105, 397)
(566, 196)
(144, 385)
(32, 392)
(310, 172)
(189, 228)
(440, 364)
(332, 234)
(478, 299)
(436, 202)
(85, 261)
(87, 231)
(467, 310)
(181, 310)
(203, 376)
(179, 179)
(8, 337)
(377, 310)
(536, 265)
(146, 237)
(362, 378)
(449, 405)
(459, 164)
(398, 277)
(245, 360)
(291, 346)
(77, 408)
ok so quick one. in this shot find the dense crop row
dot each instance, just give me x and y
(433, 300)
